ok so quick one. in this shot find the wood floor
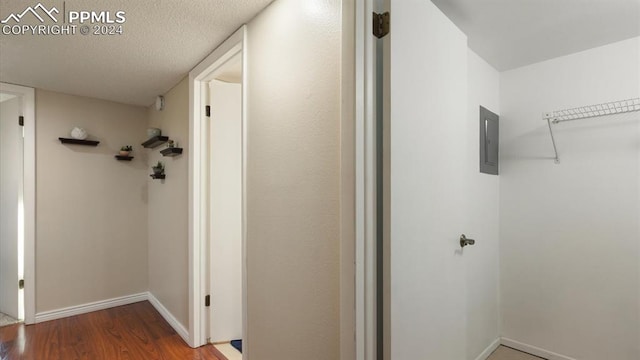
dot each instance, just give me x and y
(506, 353)
(135, 331)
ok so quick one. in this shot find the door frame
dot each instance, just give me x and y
(365, 112)
(27, 95)
(198, 186)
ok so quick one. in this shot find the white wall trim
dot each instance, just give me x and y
(90, 307)
(245, 92)
(29, 195)
(168, 316)
(114, 302)
(489, 350)
(534, 350)
(365, 187)
(198, 195)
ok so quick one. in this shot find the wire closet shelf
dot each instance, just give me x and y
(585, 112)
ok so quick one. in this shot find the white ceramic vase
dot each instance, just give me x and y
(79, 133)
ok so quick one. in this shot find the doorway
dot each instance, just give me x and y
(217, 194)
(17, 190)
(225, 209)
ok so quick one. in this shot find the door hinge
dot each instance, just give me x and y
(21, 284)
(21, 120)
(381, 24)
(207, 300)
(207, 110)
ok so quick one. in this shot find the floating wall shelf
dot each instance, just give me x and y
(158, 176)
(171, 151)
(155, 141)
(124, 157)
(78, 142)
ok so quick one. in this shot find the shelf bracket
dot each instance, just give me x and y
(549, 118)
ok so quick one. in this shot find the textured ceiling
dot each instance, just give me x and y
(161, 42)
(513, 33)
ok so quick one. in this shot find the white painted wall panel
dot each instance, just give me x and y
(570, 236)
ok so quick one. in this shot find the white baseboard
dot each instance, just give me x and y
(489, 350)
(90, 307)
(166, 314)
(533, 350)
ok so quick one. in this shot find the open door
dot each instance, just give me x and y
(11, 206)
(225, 226)
(426, 85)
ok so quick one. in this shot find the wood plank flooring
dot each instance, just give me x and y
(135, 331)
(506, 353)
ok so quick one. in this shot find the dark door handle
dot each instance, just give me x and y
(464, 241)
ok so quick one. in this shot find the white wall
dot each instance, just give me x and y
(91, 235)
(225, 226)
(10, 196)
(348, 182)
(570, 240)
(168, 208)
(481, 214)
(293, 180)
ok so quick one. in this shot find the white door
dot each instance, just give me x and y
(225, 226)
(11, 162)
(426, 68)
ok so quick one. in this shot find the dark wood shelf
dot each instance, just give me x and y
(124, 157)
(171, 151)
(158, 176)
(78, 142)
(155, 141)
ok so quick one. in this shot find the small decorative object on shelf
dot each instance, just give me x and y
(171, 144)
(151, 132)
(125, 150)
(79, 133)
(78, 142)
(158, 171)
(124, 153)
(155, 141)
(171, 151)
